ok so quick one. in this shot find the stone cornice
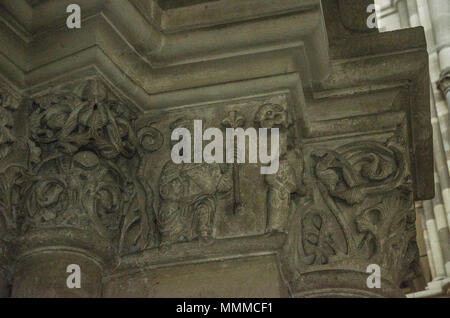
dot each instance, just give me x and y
(298, 25)
(183, 82)
(157, 70)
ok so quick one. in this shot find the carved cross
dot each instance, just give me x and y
(234, 120)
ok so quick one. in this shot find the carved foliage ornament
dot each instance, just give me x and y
(10, 174)
(357, 170)
(359, 207)
(94, 120)
(389, 234)
(82, 167)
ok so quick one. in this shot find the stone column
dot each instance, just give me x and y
(426, 241)
(4, 290)
(440, 15)
(73, 197)
(45, 274)
(402, 8)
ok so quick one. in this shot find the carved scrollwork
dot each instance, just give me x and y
(322, 238)
(83, 169)
(356, 170)
(76, 191)
(139, 229)
(389, 233)
(68, 122)
(358, 210)
(150, 139)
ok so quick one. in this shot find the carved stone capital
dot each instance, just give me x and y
(359, 211)
(71, 180)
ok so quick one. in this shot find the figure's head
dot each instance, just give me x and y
(271, 116)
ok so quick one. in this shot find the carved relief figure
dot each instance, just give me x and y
(95, 120)
(188, 195)
(285, 181)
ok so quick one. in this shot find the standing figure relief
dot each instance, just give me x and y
(286, 180)
(188, 200)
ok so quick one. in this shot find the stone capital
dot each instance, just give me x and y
(359, 215)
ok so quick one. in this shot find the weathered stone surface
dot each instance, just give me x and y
(4, 272)
(85, 152)
(359, 211)
(45, 275)
(226, 278)
(444, 82)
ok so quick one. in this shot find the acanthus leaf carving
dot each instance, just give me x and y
(358, 211)
(93, 121)
(83, 168)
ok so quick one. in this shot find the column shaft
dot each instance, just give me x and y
(430, 222)
(45, 274)
(440, 17)
(403, 14)
(426, 238)
(413, 11)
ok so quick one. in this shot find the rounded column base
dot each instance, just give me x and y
(44, 274)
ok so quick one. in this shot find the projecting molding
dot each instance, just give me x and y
(157, 59)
